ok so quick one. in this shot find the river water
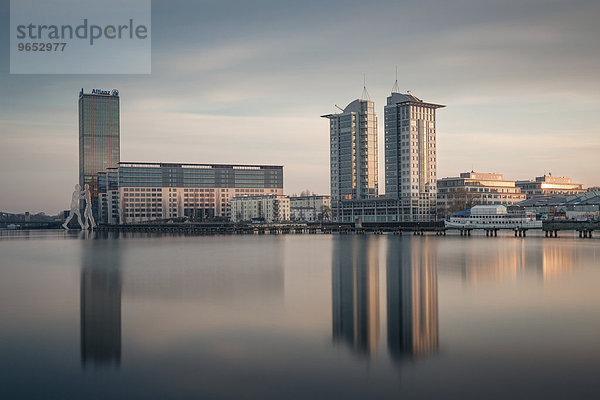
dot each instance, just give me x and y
(138, 316)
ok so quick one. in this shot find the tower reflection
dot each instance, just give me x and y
(100, 302)
(412, 298)
(355, 293)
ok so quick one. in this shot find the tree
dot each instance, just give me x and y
(462, 199)
(325, 213)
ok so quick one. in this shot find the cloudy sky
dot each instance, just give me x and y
(246, 82)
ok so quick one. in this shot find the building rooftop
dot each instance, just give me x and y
(588, 198)
(400, 98)
(192, 165)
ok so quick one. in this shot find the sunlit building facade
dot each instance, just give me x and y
(549, 185)
(353, 153)
(411, 155)
(99, 138)
(473, 188)
(155, 191)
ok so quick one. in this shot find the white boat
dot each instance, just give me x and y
(492, 217)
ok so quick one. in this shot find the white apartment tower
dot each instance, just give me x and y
(353, 153)
(410, 154)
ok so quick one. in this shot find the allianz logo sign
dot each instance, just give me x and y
(113, 92)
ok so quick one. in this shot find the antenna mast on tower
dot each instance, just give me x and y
(365, 93)
(395, 88)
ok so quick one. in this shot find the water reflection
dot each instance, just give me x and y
(412, 298)
(558, 261)
(355, 293)
(509, 261)
(100, 302)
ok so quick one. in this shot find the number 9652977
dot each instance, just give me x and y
(21, 46)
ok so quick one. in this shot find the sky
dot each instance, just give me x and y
(247, 81)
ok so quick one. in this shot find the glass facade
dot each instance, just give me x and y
(154, 191)
(200, 175)
(99, 139)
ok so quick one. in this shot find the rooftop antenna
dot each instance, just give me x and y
(395, 88)
(339, 108)
(365, 93)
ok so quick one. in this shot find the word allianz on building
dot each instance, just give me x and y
(140, 192)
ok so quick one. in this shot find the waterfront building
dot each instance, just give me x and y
(353, 153)
(267, 208)
(155, 191)
(578, 206)
(109, 197)
(373, 210)
(310, 208)
(411, 154)
(99, 138)
(410, 167)
(473, 188)
(304, 214)
(548, 185)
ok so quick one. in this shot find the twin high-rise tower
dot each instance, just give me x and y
(410, 161)
(410, 154)
(353, 153)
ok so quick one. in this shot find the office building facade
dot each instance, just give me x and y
(549, 185)
(99, 138)
(473, 188)
(155, 191)
(411, 155)
(353, 153)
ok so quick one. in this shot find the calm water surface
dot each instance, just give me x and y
(306, 316)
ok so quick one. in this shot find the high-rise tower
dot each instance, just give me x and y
(410, 154)
(99, 137)
(353, 153)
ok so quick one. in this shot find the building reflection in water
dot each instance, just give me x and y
(412, 298)
(100, 302)
(355, 292)
(558, 261)
(510, 261)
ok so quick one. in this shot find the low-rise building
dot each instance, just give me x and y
(581, 205)
(375, 210)
(269, 208)
(476, 188)
(548, 185)
(310, 208)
